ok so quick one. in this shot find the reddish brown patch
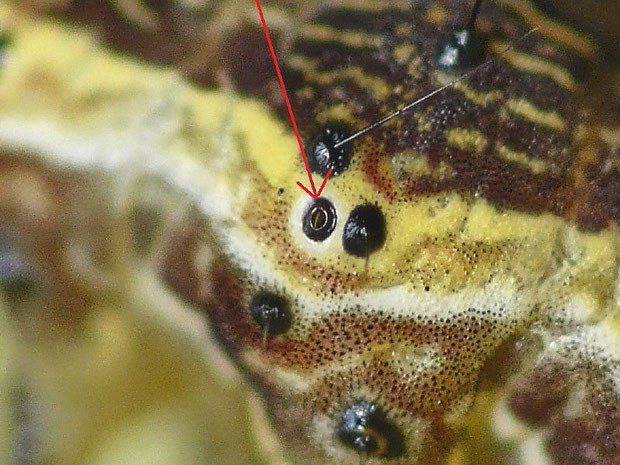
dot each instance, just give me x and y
(338, 336)
(353, 346)
(378, 172)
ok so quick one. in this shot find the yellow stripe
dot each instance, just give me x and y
(437, 15)
(527, 110)
(551, 29)
(611, 135)
(404, 53)
(522, 158)
(466, 139)
(535, 65)
(350, 38)
(308, 66)
(340, 111)
(478, 97)
(375, 6)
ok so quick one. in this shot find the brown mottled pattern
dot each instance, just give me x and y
(587, 434)
(334, 342)
(505, 183)
(600, 188)
(204, 43)
(232, 48)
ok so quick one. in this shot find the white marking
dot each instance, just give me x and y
(506, 425)
(533, 450)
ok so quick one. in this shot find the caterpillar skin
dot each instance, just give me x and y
(148, 176)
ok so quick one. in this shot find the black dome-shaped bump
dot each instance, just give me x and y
(365, 428)
(364, 231)
(271, 312)
(461, 48)
(322, 155)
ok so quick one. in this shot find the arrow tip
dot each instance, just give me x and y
(314, 193)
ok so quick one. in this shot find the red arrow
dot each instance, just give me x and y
(314, 194)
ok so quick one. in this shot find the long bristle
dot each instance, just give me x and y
(425, 97)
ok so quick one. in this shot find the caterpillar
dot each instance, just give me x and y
(169, 295)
